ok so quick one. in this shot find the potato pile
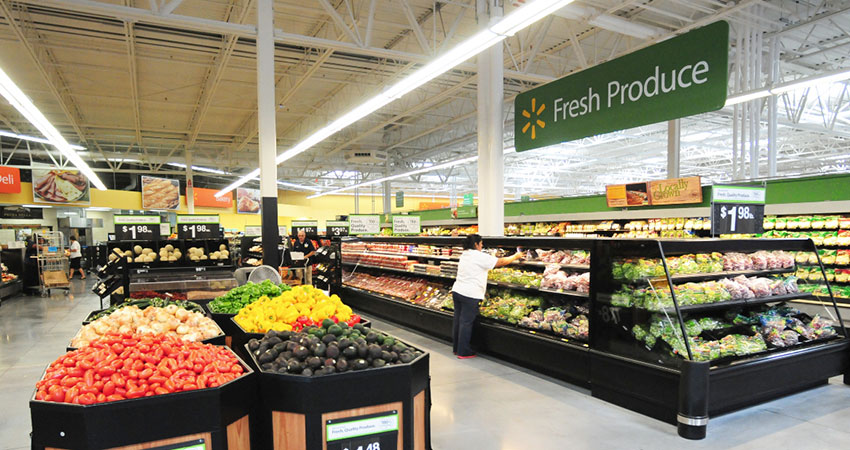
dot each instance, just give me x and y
(222, 253)
(169, 253)
(197, 254)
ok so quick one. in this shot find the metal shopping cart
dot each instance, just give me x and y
(52, 262)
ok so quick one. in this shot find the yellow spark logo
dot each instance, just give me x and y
(533, 124)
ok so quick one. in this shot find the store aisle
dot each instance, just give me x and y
(480, 403)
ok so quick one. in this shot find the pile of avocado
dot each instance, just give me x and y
(331, 348)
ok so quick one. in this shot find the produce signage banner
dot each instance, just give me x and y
(675, 191)
(137, 227)
(467, 212)
(406, 225)
(10, 180)
(622, 195)
(60, 186)
(310, 227)
(737, 209)
(374, 432)
(198, 226)
(364, 224)
(206, 198)
(467, 199)
(337, 227)
(160, 193)
(679, 77)
(247, 201)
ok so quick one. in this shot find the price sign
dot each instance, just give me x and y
(731, 218)
(406, 225)
(370, 432)
(737, 209)
(137, 232)
(197, 231)
(311, 227)
(253, 230)
(136, 227)
(337, 228)
(364, 224)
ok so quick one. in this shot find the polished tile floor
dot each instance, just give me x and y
(478, 404)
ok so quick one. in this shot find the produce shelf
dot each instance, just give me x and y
(733, 303)
(390, 269)
(685, 278)
(577, 267)
(574, 294)
(414, 255)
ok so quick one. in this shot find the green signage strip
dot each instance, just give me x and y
(679, 77)
(135, 220)
(197, 218)
(467, 212)
(467, 199)
(738, 194)
(362, 427)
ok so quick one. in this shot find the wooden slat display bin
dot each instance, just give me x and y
(219, 416)
(294, 410)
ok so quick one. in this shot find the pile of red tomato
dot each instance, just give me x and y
(126, 366)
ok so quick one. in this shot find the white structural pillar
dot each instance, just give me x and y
(491, 201)
(388, 198)
(772, 108)
(674, 146)
(190, 183)
(267, 132)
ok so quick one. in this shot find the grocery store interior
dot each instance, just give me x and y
(255, 224)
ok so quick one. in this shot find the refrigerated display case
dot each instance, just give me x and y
(601, 313)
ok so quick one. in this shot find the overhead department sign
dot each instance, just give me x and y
(679, 77)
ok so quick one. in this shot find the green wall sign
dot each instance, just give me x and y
(467, 212)
(680, 77)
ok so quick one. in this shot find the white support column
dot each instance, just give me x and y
(388, 198)
(772, 108)
(674, 133)
(190, 183)
(452, 196)
(267, 132)
(491, 208)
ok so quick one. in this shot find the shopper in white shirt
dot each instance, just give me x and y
(469, 288)
(76, 255)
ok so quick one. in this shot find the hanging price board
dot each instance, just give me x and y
(364, 224)
(311, 227)
(142, 228)
(337, 227)
(406, 225)
(737, 210)
(370, 432)
(198, 227)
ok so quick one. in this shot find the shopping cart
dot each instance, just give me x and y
(52, 262)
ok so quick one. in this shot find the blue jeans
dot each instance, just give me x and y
(466, 311)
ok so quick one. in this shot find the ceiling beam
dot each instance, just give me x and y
(130, 38)
(340, 22)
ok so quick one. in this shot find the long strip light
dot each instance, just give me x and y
(25, 106)
(200, 169)
(824, 78)
(299, 186)
(24, 137)
(507, 26)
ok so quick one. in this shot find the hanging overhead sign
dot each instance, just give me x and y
(673, 191)
(10, 180)
(467, 199)
(364, 224)
(406, 225)
(679, 77)
(737, 209)
(310, 227)
(137, 227)
(160, 193)
(60, 186)
(206, 198)
(337, 227)
(198, 226)
(399, 199)
(20, 212)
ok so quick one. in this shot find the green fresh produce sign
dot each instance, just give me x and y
(467, 212)
(679, 77)
(467, 199)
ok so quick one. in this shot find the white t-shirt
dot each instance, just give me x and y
(472, 271)
(75, 249)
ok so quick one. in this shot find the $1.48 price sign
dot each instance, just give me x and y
(731, 218)
(197, 231)
(136, 232)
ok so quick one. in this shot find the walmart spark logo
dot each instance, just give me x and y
(533, 124)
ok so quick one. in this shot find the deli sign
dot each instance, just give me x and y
(10, 180)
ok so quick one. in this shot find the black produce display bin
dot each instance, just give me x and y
(219, 414)
(614, 364)
(293, 410)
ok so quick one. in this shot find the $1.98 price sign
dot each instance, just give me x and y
(197, 231)
(731, 218)
(136, 232)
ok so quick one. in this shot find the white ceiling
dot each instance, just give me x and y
(130, 80)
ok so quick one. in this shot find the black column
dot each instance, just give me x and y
(693, 399)
(271, 238)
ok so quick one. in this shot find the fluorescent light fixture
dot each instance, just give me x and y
(824, 78)
(33, 139)
(36, 206)
(24, 105)
(477, 43)
(98, 208)
(200, 169)
(299, 186)
(444, 165)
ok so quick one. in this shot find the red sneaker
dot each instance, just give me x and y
(466, 357)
